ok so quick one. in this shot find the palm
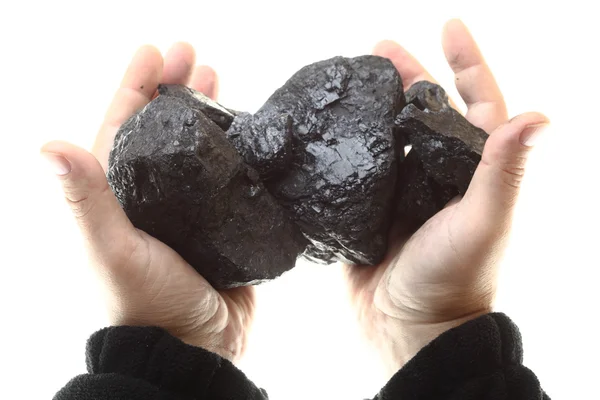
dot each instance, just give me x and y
(433, 269)
(181, 300)
(150, 284)
(434, 279)
(430, 266)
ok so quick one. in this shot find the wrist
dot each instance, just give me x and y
(413, 337)
(206, 327)
(213, 345)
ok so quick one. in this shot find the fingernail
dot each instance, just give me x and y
(59, 165)
(531, 134)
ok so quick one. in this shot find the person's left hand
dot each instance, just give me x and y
(146, 282)
(446, 272)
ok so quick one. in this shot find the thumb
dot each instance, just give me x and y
(494, 189)
(109, 235)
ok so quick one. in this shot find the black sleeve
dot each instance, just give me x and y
(131, 363)
(479, 360)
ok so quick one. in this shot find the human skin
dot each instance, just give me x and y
(147, 283)
(446, 273)
(434, 280)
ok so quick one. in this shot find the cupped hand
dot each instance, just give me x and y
(446, 272)
(146, 282)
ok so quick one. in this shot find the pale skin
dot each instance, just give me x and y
(442, 275)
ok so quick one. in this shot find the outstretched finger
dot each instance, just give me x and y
(137, 88)
(473, 77)
(179, 64)
(206, 81)
(409, 68)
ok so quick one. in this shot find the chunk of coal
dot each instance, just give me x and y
(427, 95)
(341, 180)
(267, 147)
(329, 147)
(448, 146)
(319, 253)
(194, 99)
(419, 196)
(180, 180)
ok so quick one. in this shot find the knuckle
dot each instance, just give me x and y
(513, 171)
(510, 168)
(81, 204)
(84, 201)
(513, 176)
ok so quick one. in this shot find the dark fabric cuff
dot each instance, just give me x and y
(155, 356)
(485, 352)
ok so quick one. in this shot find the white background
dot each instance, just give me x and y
(62, 61)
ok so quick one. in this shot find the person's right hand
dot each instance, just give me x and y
(147, 283)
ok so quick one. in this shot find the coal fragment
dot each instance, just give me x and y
(267, 147)
(427, 95)
(180, 180)
(419, 196)
(448, 146)
(194, 99)
(340, 182)
(319, 170)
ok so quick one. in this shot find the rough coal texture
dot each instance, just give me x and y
(180, 180)
(196, 100)
(340, 182)
(447, 146)
(265, 143)
(419, 196)
(320, 170)
(427, 95)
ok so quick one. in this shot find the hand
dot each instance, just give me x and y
(446, 272)
(147, 283)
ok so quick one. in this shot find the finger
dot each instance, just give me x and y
(179, 64)
(492, 194)
(109, 235)
(408, 67)
(137, 88)
(473, 78)
(205, 80)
